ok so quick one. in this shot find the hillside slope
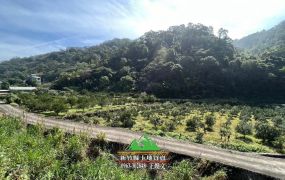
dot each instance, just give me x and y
(263, 40)
(183, 61)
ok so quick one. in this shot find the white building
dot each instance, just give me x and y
(36, 78)
(16, 88)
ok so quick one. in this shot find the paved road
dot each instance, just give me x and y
(274, 167)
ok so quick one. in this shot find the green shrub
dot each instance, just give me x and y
(13, 98)
(183, 170)
(267, 132)
(244, 127)
(147, 98)
(72, 100)
(58, 106)
(199, 137)
(279, 143)
(193, 124)
(156, 121)
(245, 147)
(219, 175)
(225, 131)
(210, 121)
(127, 119)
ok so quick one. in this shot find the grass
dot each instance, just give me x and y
(176, 114)
(212, 137)
(34, 152)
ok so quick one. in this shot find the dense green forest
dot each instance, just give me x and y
(33, 152)
(183, 61)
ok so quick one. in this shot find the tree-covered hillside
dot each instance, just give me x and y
(258, 42)
(183, 61)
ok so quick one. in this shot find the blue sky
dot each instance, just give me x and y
(31, 27)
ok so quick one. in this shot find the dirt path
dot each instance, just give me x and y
(274, 167)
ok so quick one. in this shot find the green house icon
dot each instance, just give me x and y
(144, 143)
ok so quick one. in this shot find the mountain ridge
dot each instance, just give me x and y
(263, 40)
(180, 62)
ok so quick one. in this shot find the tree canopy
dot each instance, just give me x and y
(183, 61)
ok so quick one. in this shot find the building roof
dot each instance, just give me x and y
(15, 88)
(34, 75)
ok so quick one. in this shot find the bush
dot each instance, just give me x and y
(244, 127)
(95, 120)
(245, 116)
(234, 111)
(144, 97)
(193, 124)
(83, 102)
(13, 98)
(210, 121)
(72, 100)
(75, 149)
(58, 106)
(243, 147)
(267, 132)
(168, 126)
(199, 137)
(279, 122)
(219, 175)
(127, 120)
(279, 143)
(155, 120)
(182, 170)
(260, 117)
(225, 131)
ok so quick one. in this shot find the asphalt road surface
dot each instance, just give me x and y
(273, 167)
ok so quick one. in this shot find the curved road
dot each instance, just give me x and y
(273, 167)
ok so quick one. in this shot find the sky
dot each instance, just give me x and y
(31, 27)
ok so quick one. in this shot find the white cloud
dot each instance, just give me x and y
(240, 17)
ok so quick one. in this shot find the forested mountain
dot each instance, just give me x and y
(258, 42)
(183, 61)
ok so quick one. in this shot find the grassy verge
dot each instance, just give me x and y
(36, 153)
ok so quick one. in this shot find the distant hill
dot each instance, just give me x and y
(183, 61)
(264, 40)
